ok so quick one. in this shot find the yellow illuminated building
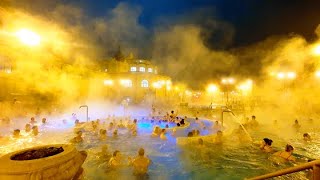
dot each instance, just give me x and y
(134, 79)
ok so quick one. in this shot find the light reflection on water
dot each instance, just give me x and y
(232, 160)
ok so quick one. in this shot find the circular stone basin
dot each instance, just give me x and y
(37, 153)
(58, 161)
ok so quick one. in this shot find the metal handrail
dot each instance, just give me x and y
(314, 165)
(86, 111)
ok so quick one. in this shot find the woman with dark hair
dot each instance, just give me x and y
(266, 145)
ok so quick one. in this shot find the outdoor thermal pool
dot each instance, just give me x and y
(230, 160)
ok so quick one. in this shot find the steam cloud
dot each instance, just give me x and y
(180, 49)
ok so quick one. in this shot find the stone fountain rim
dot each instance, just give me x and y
(9, 166)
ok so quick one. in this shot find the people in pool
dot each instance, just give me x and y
(253, 123)
(217, 126)
(218, 139)
(306, 137)
(134, 133)
(27, 128)
(140, 163)
(156, 131)
(296, 125)
(103, 134)
(104, 154)
(44, 120)
(115, 133)
(286, 154)
(16, 133)
(266, 145)
(78, 138)
(163, 135)
(115, 160)
(35, 130)
(33, 120)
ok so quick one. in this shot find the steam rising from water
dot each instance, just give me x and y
(71, 36)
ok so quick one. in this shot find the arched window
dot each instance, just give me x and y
(144, 83)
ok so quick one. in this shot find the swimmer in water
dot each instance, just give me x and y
(35, 130)
(115, 160)
(103, 134)
(253, 123)
(296, 125)
(140, 163)
(27, 128)
(16, 133)
(306, 137)
(94, 126)
(115, 133)
(287, 154)
(134, 133)
(218, 138)
(32, 120)
(76, 122)
(217, 126)
(121, 125)
(110, 126)
(266, 145)
(163, 135)
(155, 132)
(104, 154)
(44, 120)
(78, 138)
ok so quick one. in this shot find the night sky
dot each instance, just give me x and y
(235, 37)
(252, 20)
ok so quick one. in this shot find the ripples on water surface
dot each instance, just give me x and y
(232, 160)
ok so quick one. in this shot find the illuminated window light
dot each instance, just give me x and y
(144, 83)
(142, 69)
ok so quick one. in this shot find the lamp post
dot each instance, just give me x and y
(211, 89)
(228, 82)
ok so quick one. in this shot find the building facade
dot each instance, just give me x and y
(136, 80)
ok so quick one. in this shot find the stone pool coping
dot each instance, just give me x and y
(8, 166)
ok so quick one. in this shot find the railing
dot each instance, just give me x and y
(86, 111)
(314, 165)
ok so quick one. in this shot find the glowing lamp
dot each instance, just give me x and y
(280, 75)
(108, 82)
(291, 75)
(316, 50)
(28, 37)
(212, 88)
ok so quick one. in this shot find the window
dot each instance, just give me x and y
(144, 83)
(150, 70)
(133, 69)
(126, 82)
(142, 69)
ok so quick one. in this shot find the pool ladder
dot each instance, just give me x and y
(313, 165)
